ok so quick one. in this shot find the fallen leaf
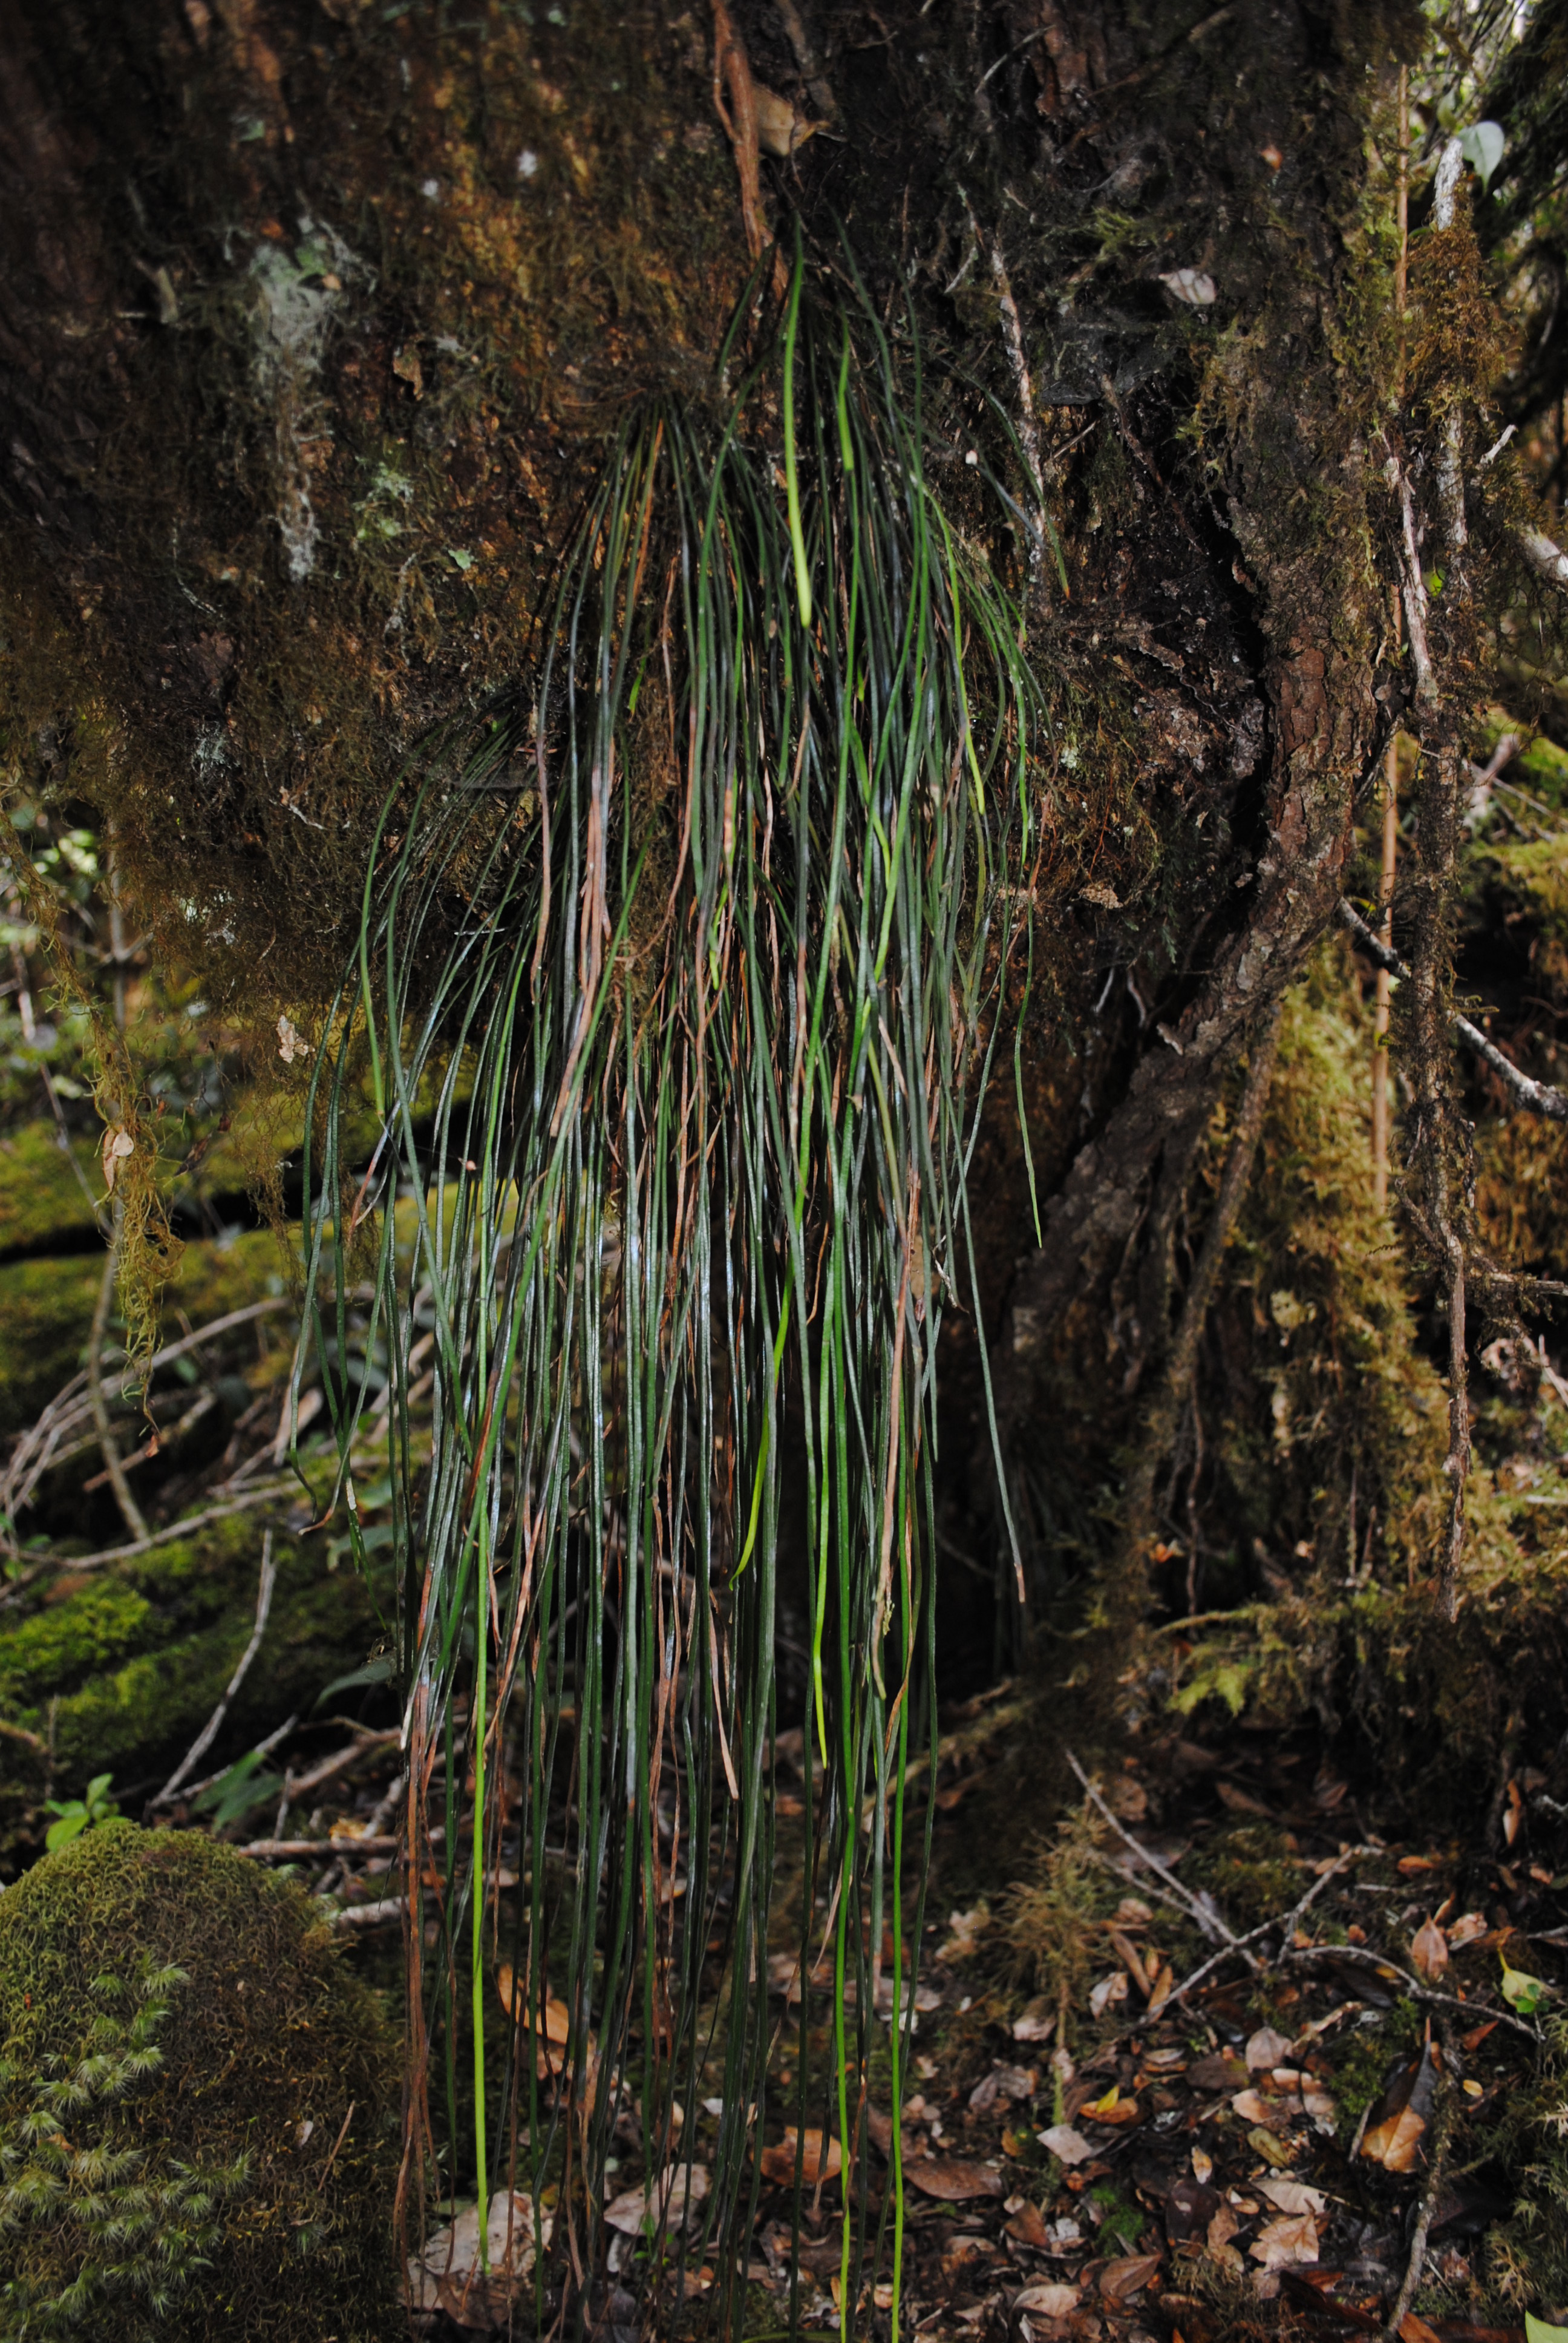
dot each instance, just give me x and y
(1266, 2049)
(1068, 2146)
(1412, 1862)
(1031, 2028)
(1292, 2196)
(1413, 2329)
(1028, 2226)
(446, 2275)
(1218, 2072)
(1189, 2209)
(667, 2200)
(1108, 1992)
(1429, 1951)
(1120, 2111)
(1222, 2229)
(1122, 2276)
(1525, 1994)
(1202, 2164)
(1536, 2330)
(1270, 2146)
(1239, 1801)
(1396, 2124)
(1465, 1930)
(1133, 1912)
(1048, 2301)
(1190, 284)
(1164, 1986)
(1252, 2107)
(1292, 2238)
(952, 2177)
(817, 2162)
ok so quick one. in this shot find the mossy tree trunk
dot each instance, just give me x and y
(315, 318)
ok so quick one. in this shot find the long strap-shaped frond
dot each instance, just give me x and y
(677, 998)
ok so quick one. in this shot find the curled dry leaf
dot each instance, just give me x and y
(1034, 2026)
(291, 1041)
(1267, 2048)
(1048, 2301)
(1397, 2123)
(117, 1144)
(1028, 2227)
(1292, 2238)
(1465, 1930)
(1252, 2107)
(819, 2155)
(1110, 1990)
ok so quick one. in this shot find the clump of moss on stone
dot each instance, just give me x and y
(225, 2063)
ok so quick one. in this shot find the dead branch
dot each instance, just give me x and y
(1206, 1917)
(1539, 1098)
(732, 66)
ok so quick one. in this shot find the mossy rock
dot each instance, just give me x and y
(230, 2042)
(122, 1666)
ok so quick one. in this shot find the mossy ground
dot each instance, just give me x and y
(272, 2049)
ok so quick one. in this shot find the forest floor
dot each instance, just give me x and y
(1218, 2045)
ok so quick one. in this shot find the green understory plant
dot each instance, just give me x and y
(675, 993)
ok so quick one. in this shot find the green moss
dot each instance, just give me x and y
(58, 1647)
(123, 1671)
(266, 2049)
(41, 1198)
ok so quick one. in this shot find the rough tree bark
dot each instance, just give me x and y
(311, 327)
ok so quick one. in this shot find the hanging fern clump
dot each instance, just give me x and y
(678, 995)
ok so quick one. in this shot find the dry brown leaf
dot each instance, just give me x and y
(1223, 2227)
(1292, 2238)
(1122, 2276)
(1252, 2109)
(1266, 2049)
(1413, 2329)
(953, 2178)
(1048, 2301)
(1429, 1951)
(1465, 1930)
(1164, 1986)
(668, 2199)
(1117, 2111)
(817, 2162)
(1028, 2226)
(1108, 1992)
(1412, 1862)
(1292, 2196)
(1068, 2146)
(1394, 2144)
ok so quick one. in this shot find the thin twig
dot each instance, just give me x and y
(214, 1724)
(1413, 1986)
(371, 1916)
(262, 1749)
(1206, 1916)
(1437, 2170)
(1541, 1098)
(171, 1531)
(337, 2144)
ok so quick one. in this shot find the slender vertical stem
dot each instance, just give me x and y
(1380, 1119)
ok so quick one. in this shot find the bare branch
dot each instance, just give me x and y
(211, 1729)
(1540, 1098)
